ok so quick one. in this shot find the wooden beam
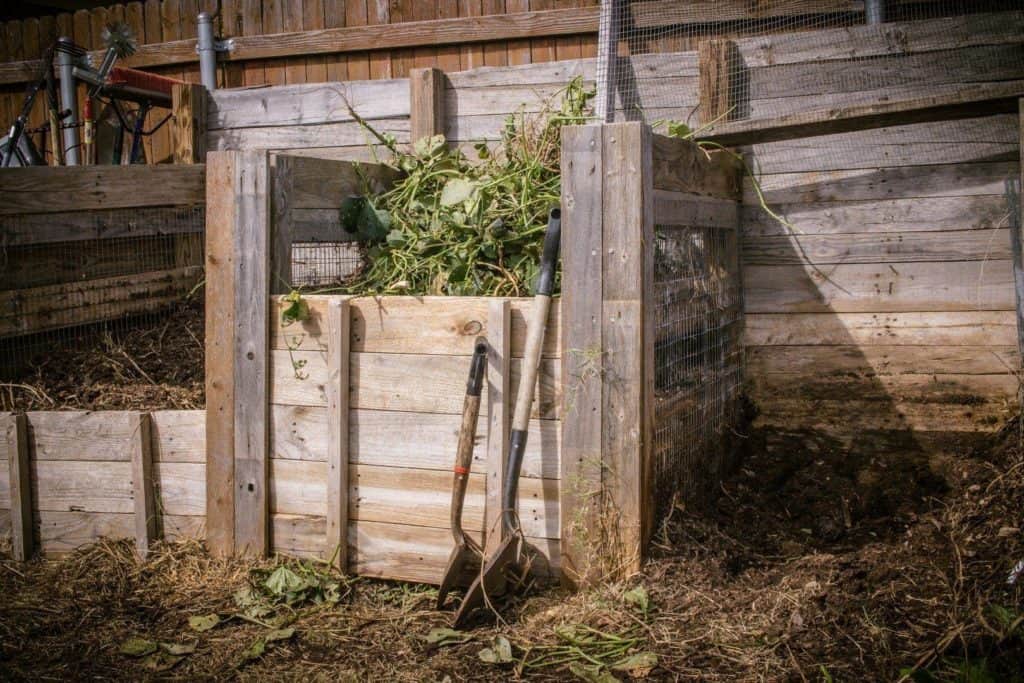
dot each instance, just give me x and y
(47, 189)
(251, 344)
(15, 433)
(583, 358)
(499, 399)
(716, 64)
(188, 107)
(426, 101)
(283, 198)
(969, 102)
(338, 325)
(79, 226)
(220, 325)
(142, 483)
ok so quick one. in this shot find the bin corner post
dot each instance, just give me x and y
(189, 109)
(14, 440)
(237, 351)
(426, 103)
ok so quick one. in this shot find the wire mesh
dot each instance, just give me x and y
(124, 272)
(697, 358)
(324, 264)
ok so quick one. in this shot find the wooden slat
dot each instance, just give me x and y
(819, 360)
(680, 166)
(143, 494)
(426, 103)
(15, 433)
(308, 103)
(80, 226)
(442, 325)
(189, 108)
(221, 216)
(85, 486)
(83, 435)
(952, 389)
(400, 439)
(325, 184)
(866, 416)
(344, 134)
(282, 225)
(582, 278)
(689, 210)
(56, 306)
(499, 399)
(78, 188)
(968, 103)
(60, 532)
(182, 489)
(250, 236)
(338, 320)
(909, 287)
(400, 382)
(968, 329)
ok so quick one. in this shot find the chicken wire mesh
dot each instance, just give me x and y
(127, 271)
(319, 265)
(698, 360)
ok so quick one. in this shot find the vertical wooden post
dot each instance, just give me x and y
(426, 102)
(583, 351)
(251, 234)
(15, 433)
(221, 217)
(717, 63)
(499, 398)
(189, 108)
(142, 484)
(609, 24)
(338, 342)
(281, 228)
(237, 339)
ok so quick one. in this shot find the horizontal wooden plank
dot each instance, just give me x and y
(874, 248)
(180, 527)
(842, 416)
(396, 439)
(910, 287)
(50, 189)
(180, 488)
(402, 382)
(78, 226)
(51, 307)
(106, 435)
(818, 361)
(308, 103)
(344, 134)
(888, 216)
(405, 496)
(966, 103)
(969, 328)
(60, 532)
(690, 210)
(179, 435)
(441, 325)
(954, 389)
(387, 551)
(991, 138)
(647, 67)
(325, 184)
(893, 38)
(681, 166)
(83, 486)
(907, 182)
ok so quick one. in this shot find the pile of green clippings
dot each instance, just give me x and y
(450, 226)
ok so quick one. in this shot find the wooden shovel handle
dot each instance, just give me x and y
(467, 436)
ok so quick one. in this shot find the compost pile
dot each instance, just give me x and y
(130, 365)
(461, 227)
(762, 588)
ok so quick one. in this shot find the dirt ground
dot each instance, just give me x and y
(812, 567)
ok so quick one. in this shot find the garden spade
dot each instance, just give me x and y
(466, 550)
(508, 557)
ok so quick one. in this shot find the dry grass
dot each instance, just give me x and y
(729, 600)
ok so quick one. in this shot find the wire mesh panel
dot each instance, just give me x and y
(324, 264)
(697, 357)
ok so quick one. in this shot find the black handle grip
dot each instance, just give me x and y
(549, 259)
(476, 367)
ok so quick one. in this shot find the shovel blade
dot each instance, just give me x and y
(491, 579)
(461, 558)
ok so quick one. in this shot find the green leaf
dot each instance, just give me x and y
(296, 309)
(351, 207)
(137, 647)
(373, 225)
(638, 598)
(500, 651)
(203, 623)
(279, 634)
(591, 673)
(456, 191)
(283, 581)
(178, 649)
(442, 636)
(637, 665)
(396, 238)
(255, 651)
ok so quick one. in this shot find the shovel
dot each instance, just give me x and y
(507, 558)
(466, 550)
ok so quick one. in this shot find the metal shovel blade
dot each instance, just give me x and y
(492, 579)
(462, 557)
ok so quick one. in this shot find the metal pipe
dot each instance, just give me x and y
(874, 11)
(207, 52)
(68, 99)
